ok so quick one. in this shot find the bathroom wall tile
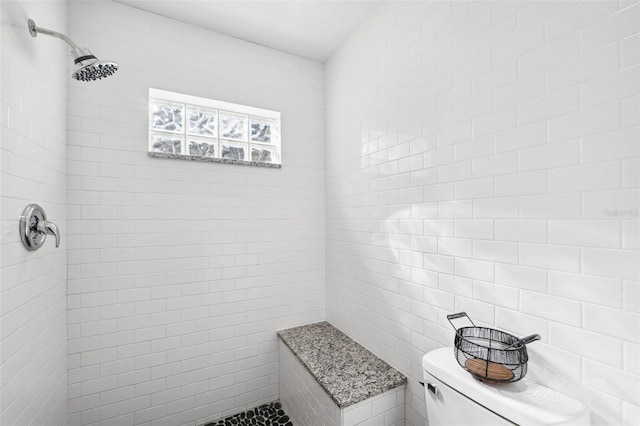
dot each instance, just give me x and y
(424, 311)
(457, 209)
(612, 27)
(549, 156)
(494, 78)
(582, 68)
(586, 343)
(561, 49)
(521, 41)
(455, 96)
(560, 102)
(521, 184)
(454, 134)
(630, 107)
(474, 66)
(523, 89)
(630, 412)
(590, 176)
(521, 277)
(521, 324)
(631, 296)
(586, 122)
(424, 211)
(499, 164)
(474, 188)
(205, 261)
(410, 258)
(439, 263)
(441, 299)
(496, 294)
(533, 231)
(631, 173)
(454, 172)
(552, 201)
(483, 312)
(552, 257)
(611, 263)
(357, 414)
(599, 290)
(563, 364)
(611, 86)
(471, 108)
(631, 357)
(621, 144)
(606, 320)
(610, 204)
(482, 229)
(496, 208)
(473, 148)
(572, 18)
(455, 247)
(629, 51)
(536, 12)
(424, 277)
(456, 285)
(554, 308)
(424, 244)
(438, 192)
(550, 206)
(438, 156)
(521, 137)
(586, 233)
(409, 164)
(612, 380)
(476, 269)
(498, 251)
(33, 121)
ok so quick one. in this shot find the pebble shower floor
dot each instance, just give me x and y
(265, 415)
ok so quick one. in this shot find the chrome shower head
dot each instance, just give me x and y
(89, 67)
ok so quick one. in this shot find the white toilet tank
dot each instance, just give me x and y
(454, 397)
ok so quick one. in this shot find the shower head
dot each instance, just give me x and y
(89, 67)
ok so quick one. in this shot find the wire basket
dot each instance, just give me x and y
(489, 354)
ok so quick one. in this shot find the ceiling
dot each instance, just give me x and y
(311, 29)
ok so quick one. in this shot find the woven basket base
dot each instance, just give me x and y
(489, 370)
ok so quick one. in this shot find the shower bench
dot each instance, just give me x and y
(327, 378)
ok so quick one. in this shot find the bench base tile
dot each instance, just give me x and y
(307, 404)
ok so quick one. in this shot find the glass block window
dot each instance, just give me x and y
(184, 126)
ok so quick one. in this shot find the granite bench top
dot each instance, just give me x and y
(347, 371)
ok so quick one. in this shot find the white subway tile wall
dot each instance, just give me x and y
(180, 272)
(483, 156)
(385, 409)
(302, 397)
(33, 307)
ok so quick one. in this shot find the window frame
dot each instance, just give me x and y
(246, 113)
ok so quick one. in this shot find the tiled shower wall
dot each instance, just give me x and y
(483, 157)
(180, 272)
(33, 315)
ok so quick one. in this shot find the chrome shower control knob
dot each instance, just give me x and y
(34, 227)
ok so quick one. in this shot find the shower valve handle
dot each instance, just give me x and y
(34, 227)
(49, 228)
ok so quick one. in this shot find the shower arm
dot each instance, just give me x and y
(89, 68)
(34, 30)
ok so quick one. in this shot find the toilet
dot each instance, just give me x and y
(454, 397)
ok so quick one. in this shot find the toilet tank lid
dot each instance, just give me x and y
(523, 402)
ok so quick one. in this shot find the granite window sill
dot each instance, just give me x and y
(212, 160)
